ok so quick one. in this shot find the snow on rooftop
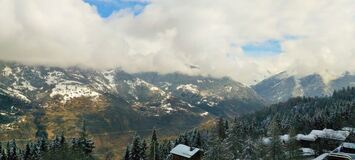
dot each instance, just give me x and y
(349, 129)
(307, 151)
(184, 151)
(266, 140)
(322, 157)
(325, 133)
(285, 137)
(303, 137)
(330, 134)
(348, 145)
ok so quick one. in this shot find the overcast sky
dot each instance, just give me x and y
(243, 39)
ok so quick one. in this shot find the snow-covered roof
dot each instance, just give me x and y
(285, 137)
(307, 151)
(350, 129)
(303, 137)
(322, 156)
(325, 133)
(267, 140)
(184, 151)
(348, 145)
(341, 155)
(330, 134)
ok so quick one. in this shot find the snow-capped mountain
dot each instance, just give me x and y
(282, 86)
(116, 99)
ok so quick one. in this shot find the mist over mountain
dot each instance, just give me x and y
(282, 86)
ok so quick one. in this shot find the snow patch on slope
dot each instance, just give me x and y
(16, 93)
(188, 88)
(7, 71)
(54, 77)
(72, 89)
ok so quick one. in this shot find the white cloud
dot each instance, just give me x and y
(170, 35)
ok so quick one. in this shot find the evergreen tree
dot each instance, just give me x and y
(127, 154)
(83, 146)
(135, 153)
(249, 150)
(154, 147)
(43, 145)
(234, 141)
(198, 140)
(143, 150)
(221, 128)
(12, 151)
(262, 149)
(226, 124)
(2, 153)
(28, 152)
(164, 149)
(276, 151)
(85, 143)
(292, 145)
(217, 151)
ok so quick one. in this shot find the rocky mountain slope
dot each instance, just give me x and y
(281, 87)
(59, 99)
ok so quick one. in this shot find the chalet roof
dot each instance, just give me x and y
(184, 151)
(330, 134)
(307, 151)
(348, 145)
(325, 134)
(309, 137)
(267, 140)
(350, 129)
(322, 157)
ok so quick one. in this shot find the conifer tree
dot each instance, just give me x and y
(127, 154)
(234, 141)
(198, 140)
(221, 128)
(2, 153)
(154, 147)
(28, 153)
(12, 151)
(226, 124)
(275, 146)
(217, 151)
(143, 150)
(292, 145)
(85, 143)
(249, 150)
(135, 153)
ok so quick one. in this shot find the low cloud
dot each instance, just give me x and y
(172, 35)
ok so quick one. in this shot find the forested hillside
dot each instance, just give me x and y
(266, 134)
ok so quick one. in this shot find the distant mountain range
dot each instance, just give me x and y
(58, 99)
(114, 102)
(282, 86)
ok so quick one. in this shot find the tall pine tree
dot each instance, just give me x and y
(154, 147)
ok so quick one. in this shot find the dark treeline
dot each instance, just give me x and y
(306, 114)
(59, 148)
(154, 149)
(257, 135)
(227, 140)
